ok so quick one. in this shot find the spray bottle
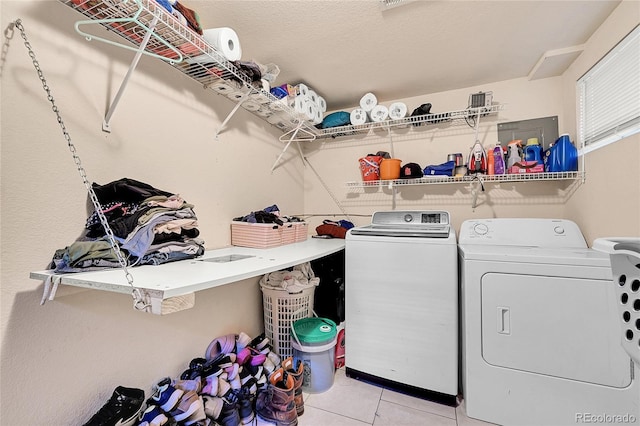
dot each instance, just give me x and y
(514, 154)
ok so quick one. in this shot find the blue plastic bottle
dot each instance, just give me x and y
(562, 156)
(533, 151)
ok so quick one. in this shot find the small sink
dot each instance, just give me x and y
(227, 258)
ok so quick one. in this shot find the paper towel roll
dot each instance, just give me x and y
(298, 106)
(322, 104)
(368, 102)
(379, 113)
(358, 116)
(397, 110)
(225, 40)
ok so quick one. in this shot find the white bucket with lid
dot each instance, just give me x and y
(313, 342)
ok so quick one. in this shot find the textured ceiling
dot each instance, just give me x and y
(343, 49)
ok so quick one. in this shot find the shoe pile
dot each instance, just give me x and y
(219, 389)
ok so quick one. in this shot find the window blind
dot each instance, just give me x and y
(609, 96)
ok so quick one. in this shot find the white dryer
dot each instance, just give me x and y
(540, 334)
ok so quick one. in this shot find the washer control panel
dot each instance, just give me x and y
(522, 232)
(410, 218)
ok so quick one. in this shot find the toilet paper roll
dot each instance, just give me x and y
(313, 97)
(302, 90)
(225, 40)
(250, 105)
(309, 109)
(260, 98)
(235, 96)
(358, 116)
(279, 105)
(222, 88)
(379, 113)
(319, 116)
(299, 106)
(322, 104)
(275, 119)
(368, 102)
(397, 110)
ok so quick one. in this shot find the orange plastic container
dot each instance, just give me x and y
(390, 169)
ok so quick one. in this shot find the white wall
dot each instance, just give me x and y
(60, 362)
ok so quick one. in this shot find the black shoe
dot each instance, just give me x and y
(122, 409)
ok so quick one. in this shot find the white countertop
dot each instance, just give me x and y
(188, 276)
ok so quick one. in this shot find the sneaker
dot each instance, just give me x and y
(165, 396)
(269, 366)
(259, 342)
(194, 385)
(188, 404)
(210, 386)
(242, 341)
(246, 402)
(212, 406)
(122, 409)
(229, 415)
(152, 416)
(275, 359)
(197, 416)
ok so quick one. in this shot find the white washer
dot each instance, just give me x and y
(540, 334)
(401, 302)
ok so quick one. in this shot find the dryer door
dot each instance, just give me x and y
(557, 326)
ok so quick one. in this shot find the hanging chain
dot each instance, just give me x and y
(138, 301)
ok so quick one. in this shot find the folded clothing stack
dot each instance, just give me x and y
(151, 226)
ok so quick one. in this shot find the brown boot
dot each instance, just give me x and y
(296, 373)
(276, 403)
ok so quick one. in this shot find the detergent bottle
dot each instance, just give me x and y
(562, 156)
(477, 159)
(533, 151)
(514, 153)
(498, 160)
(491, 162)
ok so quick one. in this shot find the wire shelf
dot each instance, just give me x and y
(185, 50)
(445, 117)
(434, 180)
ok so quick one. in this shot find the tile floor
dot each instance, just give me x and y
(351, 402)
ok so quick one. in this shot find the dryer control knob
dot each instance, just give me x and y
(558, 230)
(408, 218)
(480, 228)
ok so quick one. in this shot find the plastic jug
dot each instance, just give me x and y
(498, 160)
(514, 153)
(562, 156)
(533, 151)
(491, 163)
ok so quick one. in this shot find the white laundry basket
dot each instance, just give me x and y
(625, 266)
(281, 310)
